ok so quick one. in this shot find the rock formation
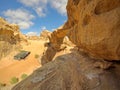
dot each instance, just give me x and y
(44, 35)
(10, 36)
(94, 27)
(56, 39)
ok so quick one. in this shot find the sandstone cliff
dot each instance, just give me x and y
(10, 37)
(93, 26)
(56, 39)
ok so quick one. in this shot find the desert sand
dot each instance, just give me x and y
(12, 68)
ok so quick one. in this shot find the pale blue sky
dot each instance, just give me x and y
(34, 15)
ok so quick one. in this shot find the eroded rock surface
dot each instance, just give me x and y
(95, 27)
(56, 39)
(92, 25)
(72, 72)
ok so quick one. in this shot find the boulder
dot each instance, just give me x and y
(72, 72)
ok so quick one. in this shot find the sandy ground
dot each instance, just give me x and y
(10, 68)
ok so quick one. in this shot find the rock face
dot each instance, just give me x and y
(72, 72)
(56, 39)
(10, 36)
(95, 27)
(45, 34)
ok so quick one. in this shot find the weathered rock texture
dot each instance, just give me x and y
(72, 72)
(95, 27)
(10, 37)
(92, 25)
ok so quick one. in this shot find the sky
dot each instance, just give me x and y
(33, 16)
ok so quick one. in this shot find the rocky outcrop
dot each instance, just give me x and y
(95, 27)
(56, 39)
(72, 72)
(10, 37)
(44, 35)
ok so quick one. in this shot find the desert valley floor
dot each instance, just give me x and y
(10, 67)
